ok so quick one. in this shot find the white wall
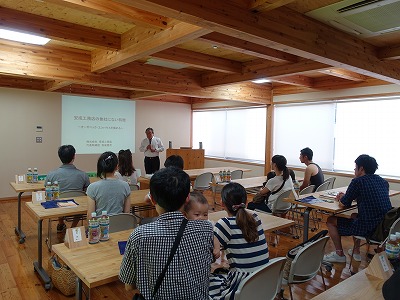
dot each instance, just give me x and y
(21, 111)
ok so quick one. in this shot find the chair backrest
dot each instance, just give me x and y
(323, 187)
(281, 206)
(331, 180)
(307, 190)
(237, 174)
(264, 283)
(122, 221)
(134, 187)
(307, 261)
(67, 194)
(202, 182)
(395, 227)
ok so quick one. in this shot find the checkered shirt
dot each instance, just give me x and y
(372, 194)
(147, 252)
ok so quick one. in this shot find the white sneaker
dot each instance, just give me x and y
(356, 257)
(333, 257)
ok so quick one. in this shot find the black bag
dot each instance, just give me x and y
(258, 198)
(382, 231)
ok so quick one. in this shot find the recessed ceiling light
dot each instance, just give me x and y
(215, 47)
(261, 80)
(22, 37)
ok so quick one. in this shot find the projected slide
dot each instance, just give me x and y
(96, 125)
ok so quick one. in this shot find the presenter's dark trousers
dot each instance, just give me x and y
(151, 164)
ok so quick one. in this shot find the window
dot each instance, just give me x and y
(237, 134)
(339, 131)
(300, 126)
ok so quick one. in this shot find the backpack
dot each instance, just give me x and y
(382, 231)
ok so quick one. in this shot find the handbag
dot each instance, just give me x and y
(160, 278)
(62, 277)
(258, 198)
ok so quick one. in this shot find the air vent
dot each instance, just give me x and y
(366, 18)
(357, 5)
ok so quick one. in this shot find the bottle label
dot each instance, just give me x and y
(392, 250)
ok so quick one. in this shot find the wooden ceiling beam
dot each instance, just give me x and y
(81, 89)
(54, 85)
(298, 80)
(282, 29)
(112, 10)
(181, 32)
(58, 30)
(345, 74)
(74, 66)
(144, 94)
(389, 53)
(214, 79)
(170, 98)
(245, 47)
(199, 60)
(265, 5)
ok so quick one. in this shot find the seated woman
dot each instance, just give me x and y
(109, 193)
(282, 182)
(242, 239)
(126, 170)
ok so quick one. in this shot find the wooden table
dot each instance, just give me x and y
(95, 264)
(269, 222)
(360, 286)
(39, 213)
(100, 263)
(330, 207)
(193, 173)
(21, 188)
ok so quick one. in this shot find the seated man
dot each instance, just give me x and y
(69, 179)
(372, 194)
(313, 174)
(149, 245)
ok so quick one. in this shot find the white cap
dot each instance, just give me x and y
(94, 214)
(104, 213)
(393, 237)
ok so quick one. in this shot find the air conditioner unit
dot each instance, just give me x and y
(364, 18)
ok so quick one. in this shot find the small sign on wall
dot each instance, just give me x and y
(38, 197)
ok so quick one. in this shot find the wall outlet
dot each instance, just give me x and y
(39, 139)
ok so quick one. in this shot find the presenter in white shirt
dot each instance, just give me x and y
(151, 146)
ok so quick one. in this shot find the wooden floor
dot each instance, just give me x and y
(19, 281)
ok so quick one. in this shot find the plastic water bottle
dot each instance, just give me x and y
(29, 176)
(224, 176)
(221, 176)
(104, 226)
(392, 247)
(35, 175)
(56, 190)
(94, 229)
(228, 175)
(49, 191)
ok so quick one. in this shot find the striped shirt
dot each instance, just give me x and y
(147, 252)
(243, 257)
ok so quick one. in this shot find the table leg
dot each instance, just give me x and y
(306, 218)
(78, 291)
(18, 230)
(38, 267)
